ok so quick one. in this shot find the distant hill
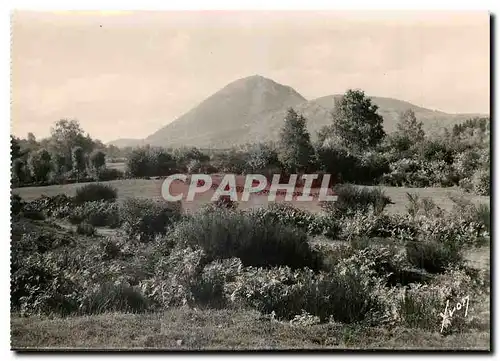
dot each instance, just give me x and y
(227, 116)
(253, 108)
(126, 142)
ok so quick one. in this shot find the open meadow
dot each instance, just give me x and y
(142, 188)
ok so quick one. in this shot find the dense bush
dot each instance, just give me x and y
(313, 224)
(422, 306)
(256, 241)
(85, 229)
(109, 174)
(41, 284)
(16, 204)
(343, 296)
(351, 199)
(144, 218)
(97, 214)
(150, 162)
(95, 192)
(481, 182)
(113, 297)
(370, 225)
(433, 256)
(49, 205)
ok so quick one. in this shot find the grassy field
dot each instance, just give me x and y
(191, 329)
(142, 188)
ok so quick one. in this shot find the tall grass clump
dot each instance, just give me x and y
(95, 192)
(145, 218)
(256, 241)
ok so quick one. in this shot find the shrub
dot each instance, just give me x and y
(109, 174)
(477, 215)
(338, 162)
(351, 199)
(145, 218)
(174, 276)
(34, 215)
(85, 229)
(208, 288)
(49, 205)
(420, 305)
(344, 295)
(116, 296)
(41, 284)
(452, 230)
(39, 241)
(256, 241)
(481, 182)
(433, 256)
(95, 192)
(98, 214)
(311, 223)
(422, 206)
(109, 249)
(16, 204)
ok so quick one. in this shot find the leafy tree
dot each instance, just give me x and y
(78, 160)
(162, 163)
(296, 152)
(97, 159)
(66, 135)
(59, 164)
(39, 164)
(15, 148)
(262, 156)
(409, 127)
(138, 163)
(356, 121)
(18, 171)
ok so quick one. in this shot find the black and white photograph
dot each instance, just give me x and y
(237, 180)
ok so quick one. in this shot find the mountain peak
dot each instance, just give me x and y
(251, 109)
(229, 111)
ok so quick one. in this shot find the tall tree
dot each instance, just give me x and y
(66, 135)
(409, 127)
(18, 175)
(78, 160)
(296, 152)
(15, 148)
(356, 121)
(40, 165)
(97, 159)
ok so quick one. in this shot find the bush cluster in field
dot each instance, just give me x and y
(376, 268)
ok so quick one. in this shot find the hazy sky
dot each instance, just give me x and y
(124, 74)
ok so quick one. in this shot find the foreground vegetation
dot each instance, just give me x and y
(348, 274)
(196, 329)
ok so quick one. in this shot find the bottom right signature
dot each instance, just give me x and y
(449, 312)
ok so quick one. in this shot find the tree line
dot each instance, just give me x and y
(354, 148)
